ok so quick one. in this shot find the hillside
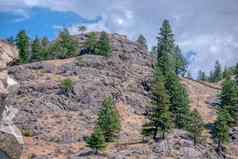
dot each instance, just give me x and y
(55, 125)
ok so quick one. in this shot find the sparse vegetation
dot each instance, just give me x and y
(67, 86)
(142, 41)
(195, 126)
(96, 141)
(103, 45)
(23, 44)
(109, 120)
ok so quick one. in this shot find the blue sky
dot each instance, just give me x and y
(42, 22)
(206, 28)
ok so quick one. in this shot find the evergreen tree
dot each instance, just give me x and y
(160, 116)
(222, 128)
(103, 45)
(22, 42)
(91, 42)
(226, 73)
(181, 62)
(96, 141)
(109, 120)
(202, 76)
(65, 46)
(45, 48)
(179, 100)
(166, 49)
(229, 98)
(142, 41)
(36, 49)
(217, 72)
(153, 51)
(195, 126)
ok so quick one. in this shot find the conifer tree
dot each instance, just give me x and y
(96, 141)
(222, 128)
(109, 120)
(179, 100)
(45, 44)
(195, 126)
(217, 72)
(103, 45)
(166, 49)
(153, 51)
(160, 116)
(22, 42)
(229, 98)
(181, 62)
(91, 43)
(36, 49)
(65, 46)
(142, 41)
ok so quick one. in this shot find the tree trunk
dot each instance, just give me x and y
(163, 134)
(155, 133)
(194, 140)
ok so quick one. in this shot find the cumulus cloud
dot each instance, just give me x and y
(208, 28)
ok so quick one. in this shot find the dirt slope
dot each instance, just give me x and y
(202, 96)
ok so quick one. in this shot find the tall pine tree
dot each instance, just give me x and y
(109, 120)
(22, 43)
(166, 49)
(179, 100)
(222, 128)
(229, 98)
(160, 117)
(36, 49)
(195, 126)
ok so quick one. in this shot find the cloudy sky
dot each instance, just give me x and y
(206, 30)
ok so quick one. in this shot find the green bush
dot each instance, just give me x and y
(67, 86)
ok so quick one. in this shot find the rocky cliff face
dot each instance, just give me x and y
(9, 138)
(55, 124)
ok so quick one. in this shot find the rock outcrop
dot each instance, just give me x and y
(10, 137)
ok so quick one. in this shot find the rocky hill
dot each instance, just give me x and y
(55, 125)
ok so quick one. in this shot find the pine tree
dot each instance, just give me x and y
(179, 100)
(202, 76)
(142, 41)
(103, 45)
(91, 42)
(160, 116)
(65, 46)
(96, 141)
(226, 73)
(153, 51)
(181, 62)
(109, 120)
(45, 44)
(217, 72)
(222, 128)
(36, 49)
(195, 126)
(22, 42)
(229, 98)
(166, 49)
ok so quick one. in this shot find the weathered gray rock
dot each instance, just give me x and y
(9, 141)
